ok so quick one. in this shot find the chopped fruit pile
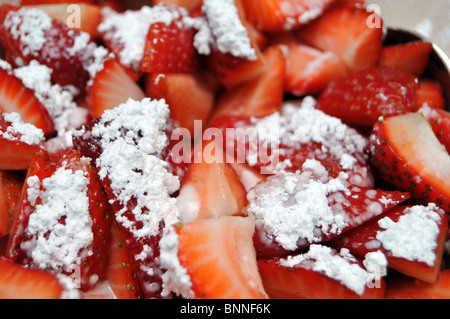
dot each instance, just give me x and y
(219, 149)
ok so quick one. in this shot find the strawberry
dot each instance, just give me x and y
(190, 96)
(409, 156)
(110, 87)
(429, 92)
(69, 53)
(88, 257)
(19, 142)
(217, 267)
(210, 187)
(170, 49)
(305, 276)
(19, 282)
(440, 123)
(38, 2)
(308, 70)
(403, 287)
(411, 237)
(190, 5)
(315, 209)
(11, 188)
(361, 99)
(5, 217)
(258, 97)
(276, 16)
(354, 41)
(412, 57)
(16, 98)
(120, 273)
(87, 21)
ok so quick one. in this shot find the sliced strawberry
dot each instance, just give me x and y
(5, 217)
(321, 273)
(308, 70)
(19, 142)
(403, 287)
(440, 123)
(429, 92)
(258, 97)
(190, 5)
(170, 49)
(12, 183)
(37, 2)
(361, 99)
(16, 98)
(345, 31)
(88, 14)
(412, 57)
(190, 96)
(111, 86)
(210, 187)
(276, 16)
(19, 282)
(120, 273)
(313, 209)
(411, 237)
(85, 251)
(218, 256)
(409, 156)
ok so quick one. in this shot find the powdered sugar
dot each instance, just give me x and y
(18, 130)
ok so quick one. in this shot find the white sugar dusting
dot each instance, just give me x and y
(18, 130)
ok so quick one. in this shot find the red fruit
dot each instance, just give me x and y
(15, 97)
(312, 210)
(412, 57)
(361, 99)
(308, 70)
(170, 49)
(403, 287)
(276, 16)
(258, 97)
(345, 31)
(18, 282)
(10, 190)
(110, 87)
(33, 2)
(190, 96)
(322, 273)
(190, 5)
(409, 156)
(429, 92)
(19, 142)
(120, 272)
(210, 187)
(440, 123)
(219, 258)
(85, 251)
(411, 237)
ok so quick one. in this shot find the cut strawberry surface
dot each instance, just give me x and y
(18, 282)
(304, 276)
(258, 97)
(440, 123)
(83, 233)
(210, 187)
(16, 98)
(412, 57)
(276, 16)
(344, 30)
(429, 92)
(11, 189)
(361, 99)
(411, 237)
(409, 156)
(217, 267)
(111, 87)
(190, 5)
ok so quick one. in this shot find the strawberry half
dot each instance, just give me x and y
(409, 156)
(344, 30)
(440, 123)
(84, 226)
(429, 92)
(321, 273)
(16, 98)
(217, 255)
(19, 282)
(411, 237)
(361, 99)
(210, 187)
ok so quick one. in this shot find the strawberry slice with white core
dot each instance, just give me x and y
(212, 259)
(409, 156)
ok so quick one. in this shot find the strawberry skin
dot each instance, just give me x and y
(19, 282)
(362, 98)
(409, 156)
